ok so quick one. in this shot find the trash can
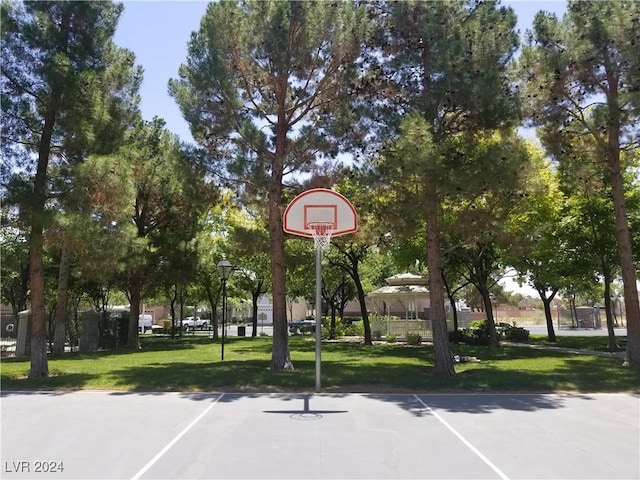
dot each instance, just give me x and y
(242, 330)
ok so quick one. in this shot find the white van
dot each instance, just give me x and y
(144, 322)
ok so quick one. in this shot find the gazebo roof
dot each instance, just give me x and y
(402, 286)
(399, 291)
(407, 279)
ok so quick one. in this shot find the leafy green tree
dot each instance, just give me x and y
(178, 241)
(14, 267)
(454, 285)
(301, 274)
(250, 242)
(590, 232)
(55, 57)
(483, 269)
(104, 190)
(356, 254)
(337, 290)
(261, 89)
(169, 197)
(253, 279)
(476, 200)
(580, 80)
(352, 255)
(213, 242)
(539, 251)
(441, 62)
(97, 230)
(499, 188)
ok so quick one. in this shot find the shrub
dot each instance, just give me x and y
(348, 326)
(355, 329)
(477, 333)
(457, 336)
(515, 334)
(326, 329)
(166, 325)
(324, 332)
(391, 337)
(414, 339)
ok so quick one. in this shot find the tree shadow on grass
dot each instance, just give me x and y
(58, 382)
(346, 368)
(584, 374)
(230, 375)
(599, 374)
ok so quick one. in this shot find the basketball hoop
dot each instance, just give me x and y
(319, 213)
(321, 234)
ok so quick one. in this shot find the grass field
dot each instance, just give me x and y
(193, 364)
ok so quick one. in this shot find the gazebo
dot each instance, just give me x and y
(400, 303)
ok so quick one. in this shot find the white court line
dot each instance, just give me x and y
(464, 440)
(174, 441)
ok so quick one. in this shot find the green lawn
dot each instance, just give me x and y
(193, 364)
(597, 343)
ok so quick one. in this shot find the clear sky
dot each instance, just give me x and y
(158, 32)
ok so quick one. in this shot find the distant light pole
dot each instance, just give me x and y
(224, 269)
(102, 326)
(494, 301)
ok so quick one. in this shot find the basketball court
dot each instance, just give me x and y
(118, 435)
(121, 435)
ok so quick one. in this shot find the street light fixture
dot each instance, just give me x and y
(224, 269)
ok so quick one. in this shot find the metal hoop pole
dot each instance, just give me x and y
(318, 317)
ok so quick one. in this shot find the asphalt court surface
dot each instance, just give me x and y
(117, 435)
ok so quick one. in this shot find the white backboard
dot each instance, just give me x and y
(320, 205)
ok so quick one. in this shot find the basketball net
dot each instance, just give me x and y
(321, 234)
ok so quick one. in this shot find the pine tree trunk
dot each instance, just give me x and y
(62, 308)
(443, 357)
(625, 252)
(133, 340)
(280, 356)
(39, 363)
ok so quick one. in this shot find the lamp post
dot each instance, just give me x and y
(102, 324)
(494, 301)
(224, 269)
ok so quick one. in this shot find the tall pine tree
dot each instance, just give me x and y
(56, 56)
(262, 90)
(580, 79)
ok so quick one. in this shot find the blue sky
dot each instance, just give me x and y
(158, 32)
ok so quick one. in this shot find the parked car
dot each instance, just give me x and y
(197, 323)
(308, 325)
